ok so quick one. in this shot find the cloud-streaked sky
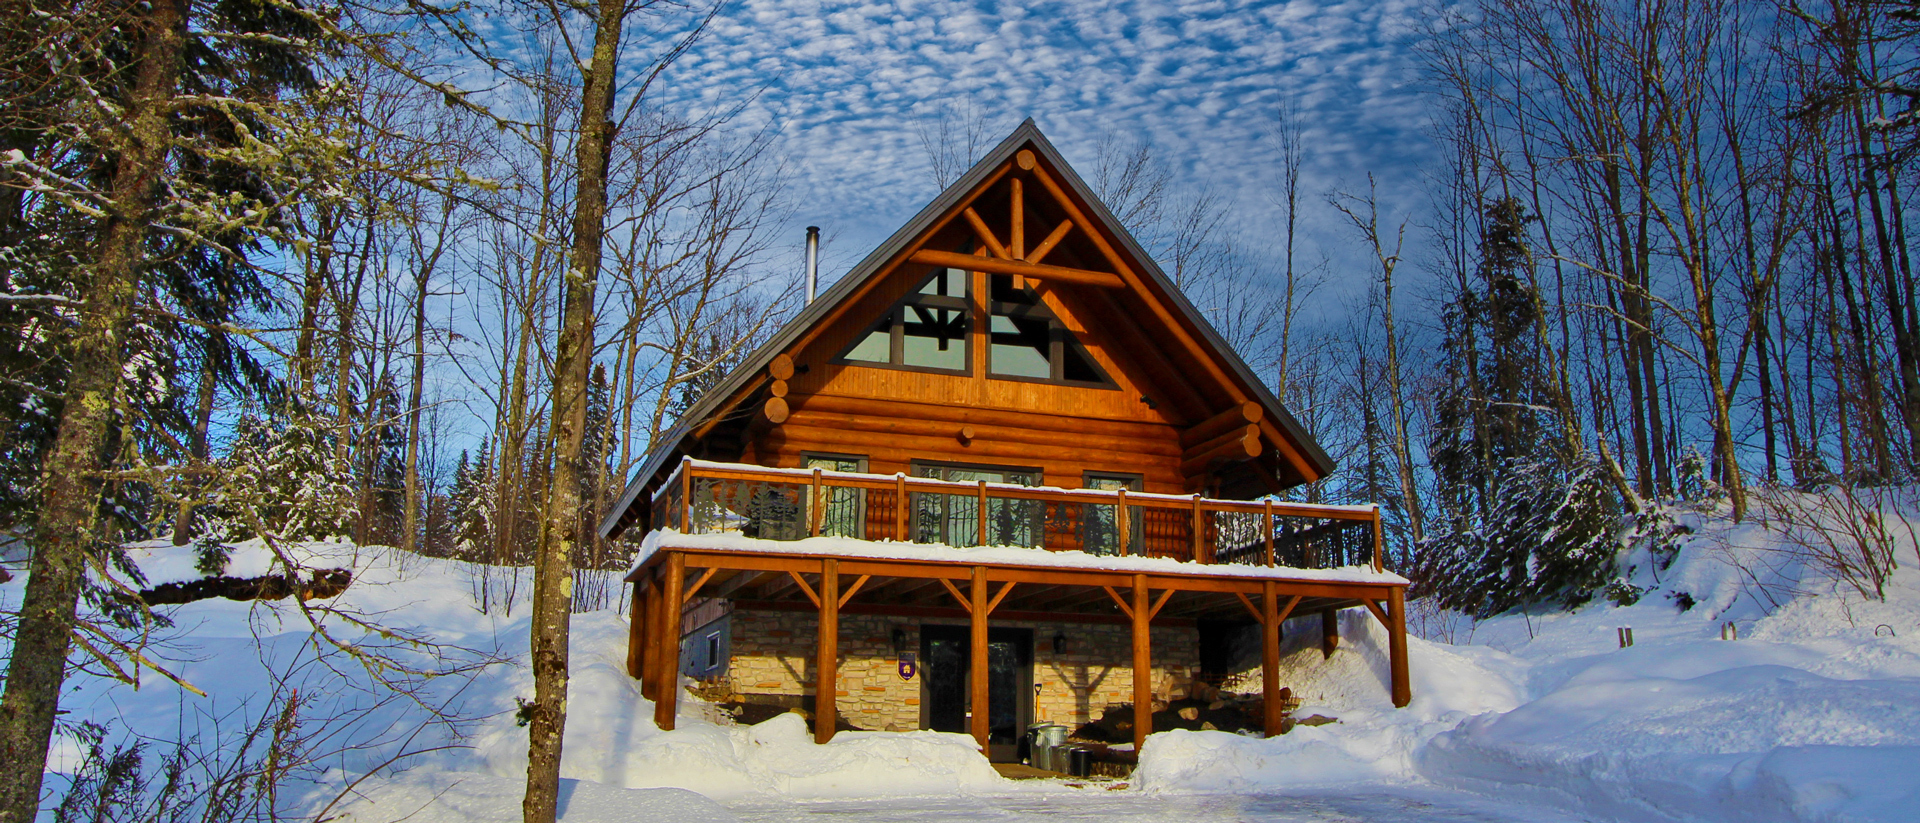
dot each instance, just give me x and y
(849, 86)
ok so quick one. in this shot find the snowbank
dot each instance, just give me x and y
(1373, 742)
(1812, 714)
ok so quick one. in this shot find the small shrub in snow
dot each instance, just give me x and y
(1622, 593)
(1850, 532)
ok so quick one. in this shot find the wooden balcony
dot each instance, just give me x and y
(1176, 557)
(791, 504)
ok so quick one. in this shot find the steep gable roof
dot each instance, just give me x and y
(1136, 269)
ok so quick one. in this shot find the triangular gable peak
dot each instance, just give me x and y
(1012, 324)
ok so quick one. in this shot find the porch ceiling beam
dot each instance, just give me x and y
(951, 613)
(1038, 271)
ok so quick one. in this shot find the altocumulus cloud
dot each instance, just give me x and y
(846, 85)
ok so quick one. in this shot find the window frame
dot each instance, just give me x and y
(1059, 339)
(857, 497)
(896, 319)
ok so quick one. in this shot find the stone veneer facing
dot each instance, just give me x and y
(773, 654)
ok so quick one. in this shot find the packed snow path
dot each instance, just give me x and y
(1095, 806)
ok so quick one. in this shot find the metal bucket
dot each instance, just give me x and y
(1048, 738)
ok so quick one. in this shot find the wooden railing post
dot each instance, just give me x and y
(686, 495)
(1123, 523)
(1379, 544)
(1199, 536)
(813, 507)
(981, 539)
(900, 508)
(1269, 531)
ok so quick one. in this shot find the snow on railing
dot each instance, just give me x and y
(789, 504)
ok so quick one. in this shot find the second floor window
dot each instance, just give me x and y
(927, 330)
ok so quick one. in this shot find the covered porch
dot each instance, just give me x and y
(830, 581)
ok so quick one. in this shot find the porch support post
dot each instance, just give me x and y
(1397, 645)
(637, 631)
(977, 666)
(1142, 664)
(666, 702)
(1329, 631)
(826, 669)
(650, 650)
(1270, 659)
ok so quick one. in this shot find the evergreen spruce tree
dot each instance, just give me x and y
(1524, 522)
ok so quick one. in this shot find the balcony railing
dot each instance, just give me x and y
(790, 504)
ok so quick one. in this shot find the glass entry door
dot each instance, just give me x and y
(945, 682)
(954, 519)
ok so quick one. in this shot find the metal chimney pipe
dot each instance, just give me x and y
(813, 262)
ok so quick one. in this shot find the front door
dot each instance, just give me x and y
(945, 701)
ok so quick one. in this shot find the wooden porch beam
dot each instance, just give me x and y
(1142, 663)
(977, 671)
(694, 590)
(806, 589)
(955, 591)
(1397, 648)
(826, 668)
(666, 704)
(851, 590)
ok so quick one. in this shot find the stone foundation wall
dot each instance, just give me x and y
(773, 654)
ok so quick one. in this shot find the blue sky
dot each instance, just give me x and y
(849, 86)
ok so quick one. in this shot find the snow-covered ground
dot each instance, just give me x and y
(1812, 714)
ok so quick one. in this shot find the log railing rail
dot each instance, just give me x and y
(790, 504)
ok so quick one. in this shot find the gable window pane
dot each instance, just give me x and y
(1077, 366)
(934, 338)
(876, 346)
(1020, 347)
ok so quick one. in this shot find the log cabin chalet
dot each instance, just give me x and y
(1001, 472)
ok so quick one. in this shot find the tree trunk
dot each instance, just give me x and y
(71, 480)
(202, 418)
(560, 532)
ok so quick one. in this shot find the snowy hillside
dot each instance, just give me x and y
(1811, 714)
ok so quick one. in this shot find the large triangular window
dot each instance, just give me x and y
(929, 329)
(1026, 342)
